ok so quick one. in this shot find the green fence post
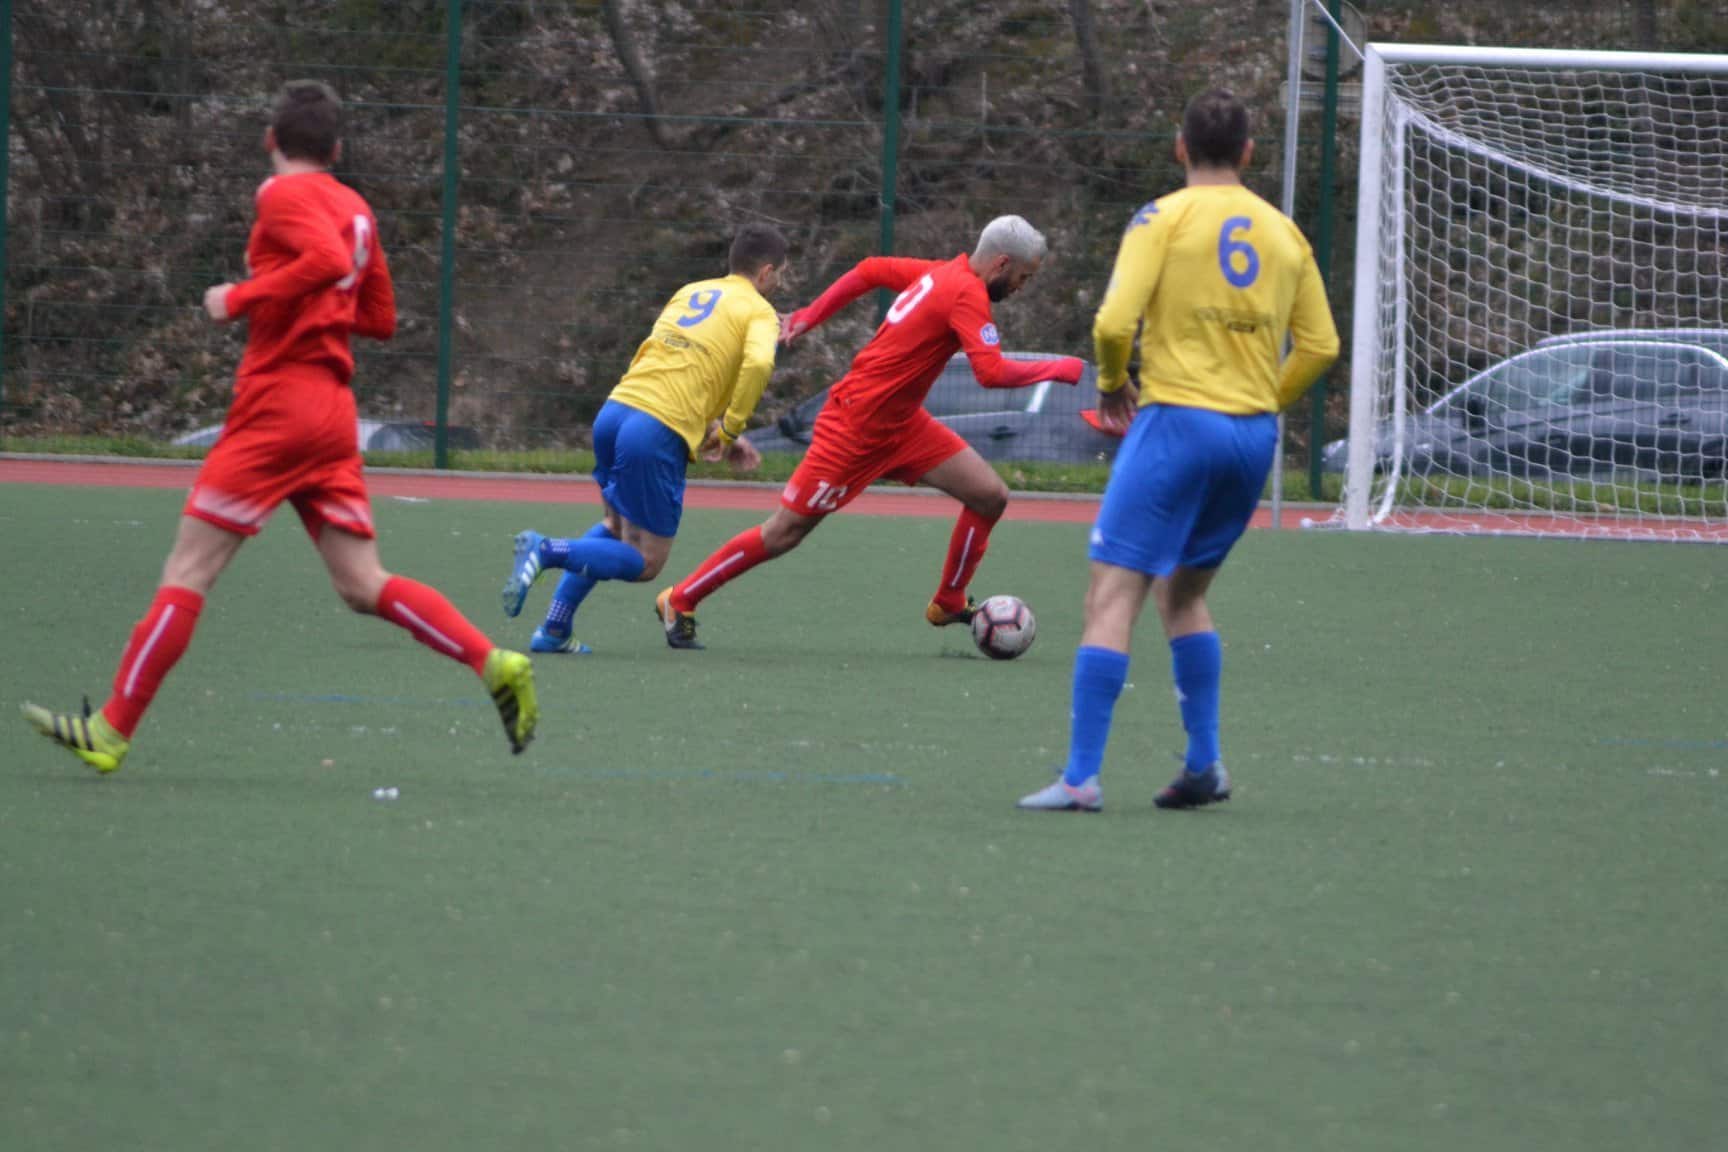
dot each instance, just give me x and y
(890, 143)
(1323, 237)
(5, 178)
(447, 241)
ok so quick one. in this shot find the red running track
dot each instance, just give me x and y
(572, 489)
(578, 489)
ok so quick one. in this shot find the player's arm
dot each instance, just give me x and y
(375, 310)
(971, 324)
(1313, 335)
(1139, 261)
(753, 372)
(321, 259)
(888, 272)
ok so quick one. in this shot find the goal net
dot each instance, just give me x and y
(1540, 336)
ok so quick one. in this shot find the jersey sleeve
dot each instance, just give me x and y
(375, 310)
(754, 369)
(971, 324)
(874, 272)
(1139, 262)
(294, 223)
(894, 272)
(1313, 335)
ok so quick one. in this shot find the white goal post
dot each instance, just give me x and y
(1540, 330)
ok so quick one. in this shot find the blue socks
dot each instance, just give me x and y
(1099, 674)
(597, 556)
(1197, 665)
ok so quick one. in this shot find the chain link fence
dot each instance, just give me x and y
(604, 150)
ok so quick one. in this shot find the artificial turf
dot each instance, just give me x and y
(775, 895)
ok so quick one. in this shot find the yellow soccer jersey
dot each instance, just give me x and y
(1214, 276)
(707, 359)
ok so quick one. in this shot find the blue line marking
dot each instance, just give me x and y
(345, 698)
(739, 775)
(1665, 742)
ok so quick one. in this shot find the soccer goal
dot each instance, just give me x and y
(1540, 331)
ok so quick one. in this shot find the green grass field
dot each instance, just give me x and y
(1470, 895)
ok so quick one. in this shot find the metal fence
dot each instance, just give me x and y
(547, 172)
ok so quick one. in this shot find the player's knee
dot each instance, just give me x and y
(360, 591)
(652, 563)
(991, 504)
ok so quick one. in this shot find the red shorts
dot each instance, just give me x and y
(293, 440)
(842, 461)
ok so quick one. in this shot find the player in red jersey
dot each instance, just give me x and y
(318, 276)
(874, 424)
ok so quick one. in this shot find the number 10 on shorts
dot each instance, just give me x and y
(826, 498)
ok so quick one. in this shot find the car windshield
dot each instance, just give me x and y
(1546, 376)
(1651, 372)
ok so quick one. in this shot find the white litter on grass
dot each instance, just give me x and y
(386, 793)
(411, 499)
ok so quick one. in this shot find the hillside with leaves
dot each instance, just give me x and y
(605, 150)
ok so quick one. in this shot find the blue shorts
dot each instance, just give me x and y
(639, 464)
(1183, 489)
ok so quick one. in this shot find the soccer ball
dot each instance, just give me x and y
(1003, 627)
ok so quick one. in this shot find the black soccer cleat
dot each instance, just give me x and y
(1196, 789)
(680, 626)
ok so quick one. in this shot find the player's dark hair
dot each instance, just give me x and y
(754, 246)
(307, 120)
(1215, 129)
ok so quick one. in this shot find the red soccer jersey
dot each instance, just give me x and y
(943, 308)
(318, 276)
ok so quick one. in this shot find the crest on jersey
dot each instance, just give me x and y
(1144, 215)
(989, 335)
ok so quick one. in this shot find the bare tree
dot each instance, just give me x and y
(1644, 24)
(630, 55)
(1091, 72)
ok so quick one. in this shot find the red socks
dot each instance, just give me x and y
(736, 557)
(160, 639)
(965, 549)
(157, 644)
(433, 621)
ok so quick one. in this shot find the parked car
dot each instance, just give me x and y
(374, 436)
(1573, 406)
(1044, 422)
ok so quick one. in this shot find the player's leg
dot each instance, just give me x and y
(364, 584)
(966, 476)
(337, 515)
(1114, 599)
(1244, 447)
(201, 551)
(639, 466)
(778, 535)
(1196, 667)
(831, 475)
(556, 631)
(1142, 526)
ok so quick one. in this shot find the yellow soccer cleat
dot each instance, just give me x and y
(89, 737)
(510, 678)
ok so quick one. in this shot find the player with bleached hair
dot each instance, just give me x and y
(874, 424)
(1213, 277)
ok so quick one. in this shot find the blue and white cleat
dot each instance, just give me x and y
(524, 570)
(1087, 796)
(547, 643)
